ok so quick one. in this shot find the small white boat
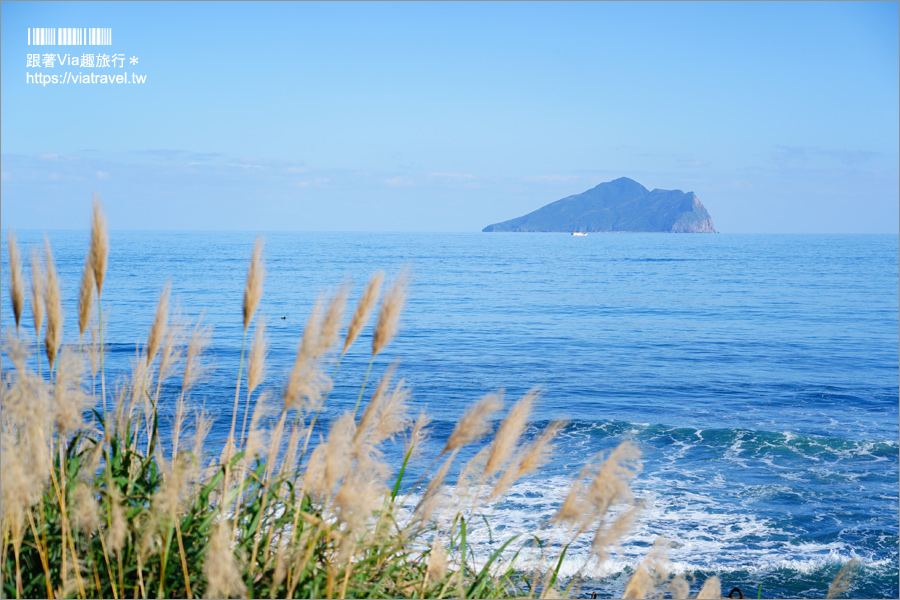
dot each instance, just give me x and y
(579, 233)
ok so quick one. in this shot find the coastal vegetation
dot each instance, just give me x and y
(98, 503)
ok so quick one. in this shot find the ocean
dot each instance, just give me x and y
(758, 374)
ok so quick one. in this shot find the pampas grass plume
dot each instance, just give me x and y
(256, 370)
(160, 324)
(193, 366)
(86, 509)
(222, 570)
(331, 322)
(254, 286)
(711, 590)
(367, 302)
(509, 432)
(17, 286)
(532, 457)
(37, 293)
(385, 415)
(437, 562)
(389, 315)
(611, 535)
(417, 435)
(843, 580)
(432, 500)
(85, 296)
(474, 423)
(118, 525)
(53, 301)
(650, 573)
(71, 401)
(306, 381)
(99, 244)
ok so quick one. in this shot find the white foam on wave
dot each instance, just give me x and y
(705, 535)
(712, 529)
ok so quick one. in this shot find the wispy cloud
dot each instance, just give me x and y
(55, 157)
(451, 176)
(399, 181)
(315, 182)
(790, 156)
(246, 166)
(556, 179)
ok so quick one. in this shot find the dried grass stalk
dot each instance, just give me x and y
(193, 365)
(437, 562)
(307, 383)
(417, 435)
(529, 459)
(711, 590)
(99, 244)
(844, 579)
(384, 417)
(367, 302)
(221, 567)
(609, 484)
(610, 536)
(170, 352)
(509, 433)
(85, 296)
(53, 301)
(160, 324)
(539, 452)
(71, 402)
(389, 315)
(256, 370)
(337, 451)
(254, 286)
(37, 293)
(85, 508)
(118, 526)
(93, 349)
(331, 322)
(649, 574)
(474, 423)
(17, 285)
(293, 445)
(432, 499)
(256, 435)
(359, 495)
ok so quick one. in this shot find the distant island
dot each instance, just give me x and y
(619, 205)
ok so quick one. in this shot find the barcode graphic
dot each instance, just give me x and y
(69, 36)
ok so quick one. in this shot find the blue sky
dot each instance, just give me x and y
(781, 117)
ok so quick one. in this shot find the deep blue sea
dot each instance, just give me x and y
(757, 373)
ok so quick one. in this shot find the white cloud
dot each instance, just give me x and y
(551, 178)
(399, 181)
(792, 156)
(102, 175)
(316, 182)
(245, 166)
(53, 157)
(451, 176)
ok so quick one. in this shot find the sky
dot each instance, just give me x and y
(782, 117)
